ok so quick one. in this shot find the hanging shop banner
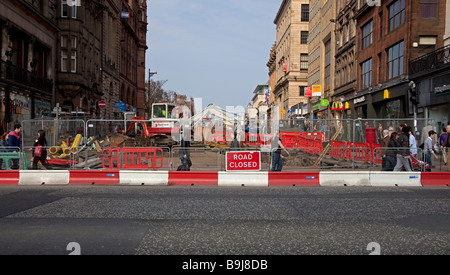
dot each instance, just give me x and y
(316, 90)
(324, 102)
(308, 92)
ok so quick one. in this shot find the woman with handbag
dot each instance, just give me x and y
(40, 151)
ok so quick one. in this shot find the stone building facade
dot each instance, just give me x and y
(292, 21)
(133, 48)
(322, 41)
(88, 67)
(27, 58)
(73, 54)
(345, 56)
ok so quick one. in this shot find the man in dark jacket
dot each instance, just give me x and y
(403, 158)
(384, 145)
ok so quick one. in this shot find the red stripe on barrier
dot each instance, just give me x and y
(9, 177)
(435, 178)
(294, 179)
(81, 177)
(193, 178)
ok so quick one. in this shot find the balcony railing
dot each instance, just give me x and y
(23, 77)
(432, 61)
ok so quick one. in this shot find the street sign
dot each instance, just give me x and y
(102, 104)
(243, 161)
(125, 14)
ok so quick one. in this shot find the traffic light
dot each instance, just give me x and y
(413, 95)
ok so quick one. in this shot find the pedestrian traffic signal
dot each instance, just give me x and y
(413, 95)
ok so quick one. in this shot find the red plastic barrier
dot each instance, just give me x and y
(112, 158)
(376, 154)
(252, 139)
(97, 177)
(193, 178)
(362, 151)
(435, 178)
(265, 140)
(289, 140)
(339, 150)
(9, 177)
(133, 158)
(142, 158)
(294, 179)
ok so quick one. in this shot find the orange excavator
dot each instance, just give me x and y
(140, 129)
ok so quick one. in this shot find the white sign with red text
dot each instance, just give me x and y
(243, 161)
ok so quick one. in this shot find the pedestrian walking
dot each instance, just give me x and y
(412, 143)
(403, 158)
(40, 151)
(235, 143)
(3, 146)
(384, 145)
(14, 142)
(428, 150)
(276, 148)
(447, 145)
(442, 140)
(391, 153)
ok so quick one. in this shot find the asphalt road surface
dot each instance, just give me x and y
(116, 220)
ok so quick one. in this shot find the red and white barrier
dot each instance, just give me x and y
(247, 179)
(345, 178)
(155, 178)
(40, 177)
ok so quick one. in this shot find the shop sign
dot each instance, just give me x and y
(308, 92)
(386, 94)
(316, 90)
(324, 102)
(359, 100)
(337, 106)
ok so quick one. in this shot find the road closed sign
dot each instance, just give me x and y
(243, 161)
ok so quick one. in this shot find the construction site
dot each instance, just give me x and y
(205, 137)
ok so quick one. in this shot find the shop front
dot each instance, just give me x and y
(21, 107)
(392, 103)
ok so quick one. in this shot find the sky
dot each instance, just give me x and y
(216, 50)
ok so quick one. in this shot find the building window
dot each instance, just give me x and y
(428, 8)
(304, 62)
(74, 11)
(395, 60)
(366, 77)
(302, 90)
(396, 14)
(304, 37)
(305, 13)
(64, 61)
(74, 42)
(64, 10)
(73, 62)
(367, 34)
(63, 41)
(328, 64)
